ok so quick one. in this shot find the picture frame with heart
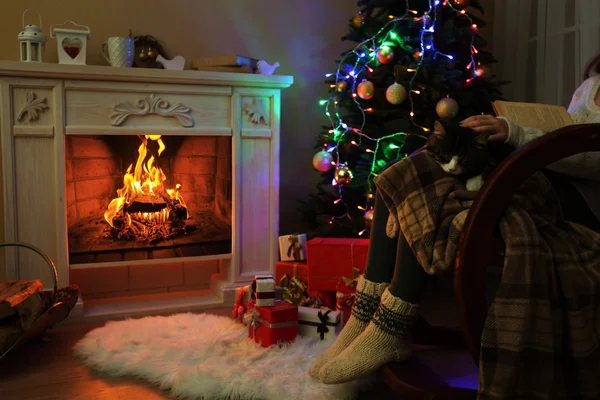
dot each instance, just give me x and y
(71, 43)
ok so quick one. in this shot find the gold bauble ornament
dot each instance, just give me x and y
(343, 175)
(341, 86)
(322, 161)
(446, 108)
(365, 90)
(484, 72)
(358, 20)
(385, 54)
(460, 3)
(396, 94)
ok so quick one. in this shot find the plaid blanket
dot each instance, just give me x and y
(541, 335)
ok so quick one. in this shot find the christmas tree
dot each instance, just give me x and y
(414, 61)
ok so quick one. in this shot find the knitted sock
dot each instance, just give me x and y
(368, 296)
(386, 339)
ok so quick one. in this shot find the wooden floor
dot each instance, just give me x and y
(49, 371)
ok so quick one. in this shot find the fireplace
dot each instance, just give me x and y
(147, 197)
(196, 214)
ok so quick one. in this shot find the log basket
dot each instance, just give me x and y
(56, 313)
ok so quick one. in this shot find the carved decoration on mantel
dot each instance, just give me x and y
(257, 110)
(33, 108)
(152, 105)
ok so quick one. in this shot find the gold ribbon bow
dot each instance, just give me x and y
(294, 250)
(294, 290)
(352, 282)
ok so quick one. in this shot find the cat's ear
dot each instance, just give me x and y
(438, 128)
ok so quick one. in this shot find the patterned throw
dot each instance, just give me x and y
(541, 334)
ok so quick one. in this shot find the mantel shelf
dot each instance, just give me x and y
(105, 73)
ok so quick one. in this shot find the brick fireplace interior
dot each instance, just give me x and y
(197, 168)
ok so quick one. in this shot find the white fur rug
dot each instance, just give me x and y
(202, 356)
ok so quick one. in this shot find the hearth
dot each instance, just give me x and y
(139, 197)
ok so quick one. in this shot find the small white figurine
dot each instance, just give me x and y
(264, 68)
(177, 63)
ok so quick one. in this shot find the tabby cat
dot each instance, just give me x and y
(462, 151)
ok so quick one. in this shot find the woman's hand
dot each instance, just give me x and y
(497, 128)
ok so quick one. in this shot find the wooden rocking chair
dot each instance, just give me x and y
(479, 247)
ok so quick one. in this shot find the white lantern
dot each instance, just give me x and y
(32, 41)
(72, 43)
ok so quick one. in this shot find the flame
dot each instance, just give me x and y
(146, 179)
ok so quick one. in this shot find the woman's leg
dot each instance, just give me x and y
(381, 261)
(388, 336)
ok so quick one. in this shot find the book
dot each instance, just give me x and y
(546, 117)
(224, 61)
(237, 69)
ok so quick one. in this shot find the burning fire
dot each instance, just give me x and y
(145, 185)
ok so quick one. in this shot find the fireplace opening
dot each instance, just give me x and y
(147, 197)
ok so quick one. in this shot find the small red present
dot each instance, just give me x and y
(326, 299)
(291, 269)
(345, 294)
(331, 259)
(275, 324)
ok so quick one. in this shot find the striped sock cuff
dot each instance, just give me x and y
(395, 316)
(368, 296)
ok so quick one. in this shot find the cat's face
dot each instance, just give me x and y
(459, 150)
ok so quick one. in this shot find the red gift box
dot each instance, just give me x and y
(344, 300)
(274, 324)
(292, 269)
(330, 259)
(327, 298)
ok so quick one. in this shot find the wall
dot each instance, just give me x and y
(303, 35)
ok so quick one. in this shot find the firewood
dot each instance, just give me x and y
(146, 203)
(137, 224)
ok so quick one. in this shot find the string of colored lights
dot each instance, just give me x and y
(362, 63)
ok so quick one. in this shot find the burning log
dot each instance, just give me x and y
(146, 204)
(179, 211)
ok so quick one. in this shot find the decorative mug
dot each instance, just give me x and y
(120, 51)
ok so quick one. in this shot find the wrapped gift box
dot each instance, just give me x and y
(320, 323)
(294, 290)
(293, 269)
(344, 300)
(263, 290)
(317, 299)
(292, 247)
(275, 324)
(330, 259)
(243, 295)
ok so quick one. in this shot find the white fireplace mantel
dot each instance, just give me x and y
(40, 104)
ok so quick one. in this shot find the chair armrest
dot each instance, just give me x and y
(476, 238)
